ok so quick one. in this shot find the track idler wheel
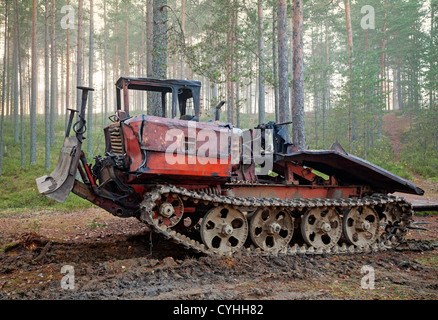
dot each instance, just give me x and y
(224, 229)
(321, 228)
(361, 226)
(271, 229)
(168, 210)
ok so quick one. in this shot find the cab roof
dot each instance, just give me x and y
(154, 84)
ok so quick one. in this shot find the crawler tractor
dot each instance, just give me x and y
(216, 189)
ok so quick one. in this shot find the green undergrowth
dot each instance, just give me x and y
(18, 188)
(424, 164)
(382, 155)
(419, 153)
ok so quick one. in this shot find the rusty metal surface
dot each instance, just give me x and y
(350, 169)
(294, 192)
(196, 168)
(153, 136)
(150, 143)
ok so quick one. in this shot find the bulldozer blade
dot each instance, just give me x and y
(60, 182)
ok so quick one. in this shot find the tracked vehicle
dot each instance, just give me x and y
(219, 190)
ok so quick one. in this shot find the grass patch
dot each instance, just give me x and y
(320, 174)
(426, 213)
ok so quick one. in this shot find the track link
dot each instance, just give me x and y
(391, 237)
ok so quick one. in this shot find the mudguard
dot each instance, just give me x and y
(353, 170)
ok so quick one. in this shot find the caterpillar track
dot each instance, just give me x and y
(393, 212)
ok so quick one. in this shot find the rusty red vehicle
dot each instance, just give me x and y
(217, 189)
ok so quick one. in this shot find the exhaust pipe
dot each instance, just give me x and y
(217, 115)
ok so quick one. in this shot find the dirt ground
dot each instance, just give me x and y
(115, 258)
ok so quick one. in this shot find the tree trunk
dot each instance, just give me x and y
(382, 59)
(149, 46)
(54, 76)
(5, 56)
(214, 89)
(275, 62)
(183, 24)
(261, 47)
(433, 80)
(283, 68)
(291, 63)
(20, 77)
(127, 39)
(230, 63)
(79, 56)
(67, 68)
(15, 90)
(326, 92)
(116, 47)
(149, 35)
(105, 76)
(47, 87)
(159, 54)
(299, 136)
(90, 84)
(350, 66)
(315, 92)
(33, 106)
(7, 79)
(238, 106)
(140, 61)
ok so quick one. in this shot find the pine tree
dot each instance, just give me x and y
(47, 117)
(2, 119)
(90, 84)
(261, 69)
(159, 53)
(298, 133)
(34, 91)
(283, 69)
